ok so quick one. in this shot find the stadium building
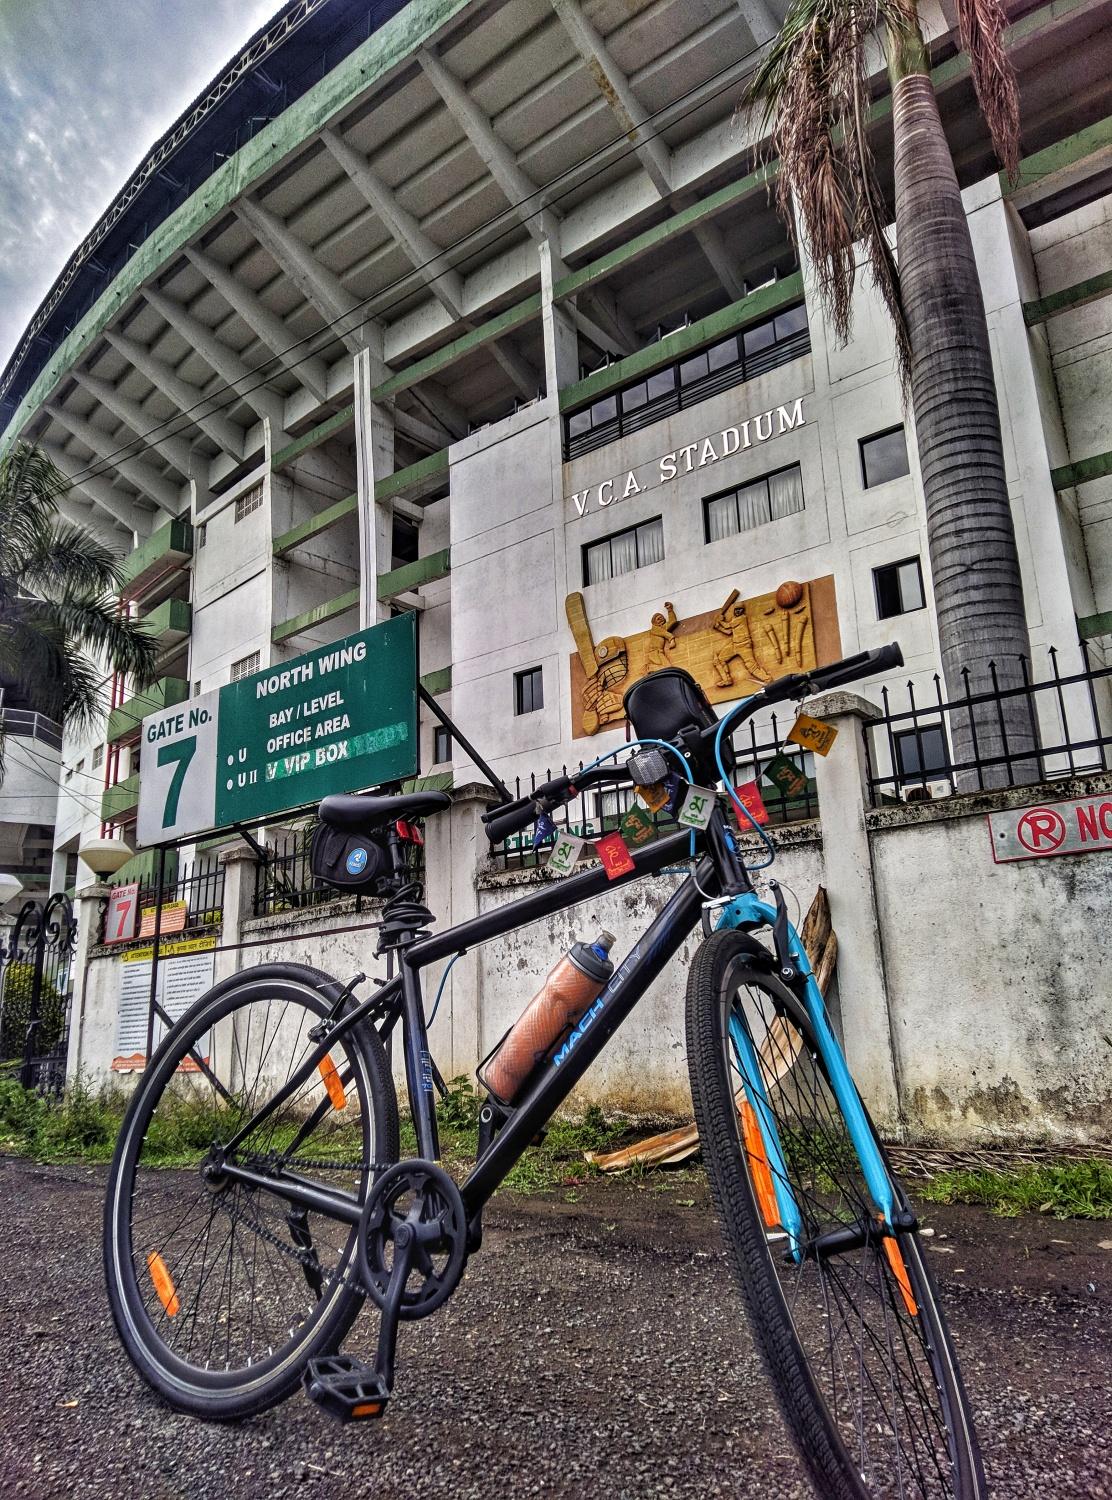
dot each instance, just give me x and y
(482, 310)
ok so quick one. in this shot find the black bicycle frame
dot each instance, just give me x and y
(717, 869)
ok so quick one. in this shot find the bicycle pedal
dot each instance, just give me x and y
(346, 1388)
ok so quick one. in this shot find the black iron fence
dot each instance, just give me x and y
(600, 811)
(285, 881)
(192, 902)
(1043, 727)
(36, 963)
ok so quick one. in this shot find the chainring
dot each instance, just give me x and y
(421, 1194)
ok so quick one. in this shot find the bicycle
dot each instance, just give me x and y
(235, 1281)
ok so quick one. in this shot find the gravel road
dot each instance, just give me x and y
(593, 1349)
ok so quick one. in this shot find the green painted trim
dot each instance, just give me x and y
(126, 718)
(144, 868)
(315, 616)
(322, 521)
(171, 617)
(407, 479)
(729, 319)
(313, 438)
(439, 781)
(435, 683)
(1056, 158)
(1096, 467)
(486, 333)
(1090, 626)
(349, 80)
(1079, 295)
(117, 801)
(170, 543)
(412, 575)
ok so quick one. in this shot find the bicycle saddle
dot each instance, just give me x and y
(365, 814)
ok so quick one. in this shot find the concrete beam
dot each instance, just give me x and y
(175, 449)
(520, 190)
(632, 117)
(267, 405)
(447, 412)
(192, 403)
(314, 281)
(760, 20)
(603, 307)
(267, 326)
(146, 480)
(100, 492)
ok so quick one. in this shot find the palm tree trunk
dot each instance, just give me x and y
(982, 626)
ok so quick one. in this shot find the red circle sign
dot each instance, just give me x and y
(1042, 830)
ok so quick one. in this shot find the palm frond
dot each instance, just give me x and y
(93, 624)
(29, 487)
(982, 24)
(68, 558)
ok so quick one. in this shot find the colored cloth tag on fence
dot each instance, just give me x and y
(785, 776)
(697, 807)
(637, 827)
(565, 852)
(654, 797)
(813, 734)
(749, 795)
(544, 831)
(615, 856)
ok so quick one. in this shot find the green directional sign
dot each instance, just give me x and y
(336, 719)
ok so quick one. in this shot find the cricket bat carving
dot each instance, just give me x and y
(604, 666)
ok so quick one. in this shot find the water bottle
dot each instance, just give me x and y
(558, 1006)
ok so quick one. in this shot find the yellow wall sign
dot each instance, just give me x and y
(813, 734)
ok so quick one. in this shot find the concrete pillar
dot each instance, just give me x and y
(561, 342)
(240, 865)
(87, 903)
(455, 848)
(840, 778)
(374, 449)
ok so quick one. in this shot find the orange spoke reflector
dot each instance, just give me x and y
(758, 1165)
(367, 1409)
(328, 1071)
(899, 1271)
(163, 1284)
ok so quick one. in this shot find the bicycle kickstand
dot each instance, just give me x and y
(348, 1389)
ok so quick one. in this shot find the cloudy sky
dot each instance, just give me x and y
(86, 86)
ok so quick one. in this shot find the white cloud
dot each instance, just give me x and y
(86, 87)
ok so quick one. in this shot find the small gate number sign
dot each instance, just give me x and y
(1056, 828)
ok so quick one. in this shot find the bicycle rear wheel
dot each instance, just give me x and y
(221, 1293)
(846, 1318)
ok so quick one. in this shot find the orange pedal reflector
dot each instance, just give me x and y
(758, 1165)
(329, 1072)
(163, 1284)
(899, 1271)
(367, 1409)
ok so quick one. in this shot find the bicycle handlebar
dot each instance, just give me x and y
(502, 821)
(822, 679)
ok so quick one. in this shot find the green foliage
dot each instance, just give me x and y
(1065, 1190)
(82, 1127)
(459, 1108)
(15, 1011)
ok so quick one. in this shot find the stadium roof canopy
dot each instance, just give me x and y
(373, 175)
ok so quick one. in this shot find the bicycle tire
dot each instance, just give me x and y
(854, 1448)
(151, 1339)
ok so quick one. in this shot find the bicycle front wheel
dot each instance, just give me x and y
(846, 1316)
(222, 1292)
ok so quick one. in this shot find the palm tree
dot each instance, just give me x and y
(811, 91)
(60, 629)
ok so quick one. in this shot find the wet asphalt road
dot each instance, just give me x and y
(593, 1349)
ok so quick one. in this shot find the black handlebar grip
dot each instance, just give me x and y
(501, 825)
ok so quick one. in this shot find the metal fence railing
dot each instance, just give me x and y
(285, 882)
(1042, 728)
(192, 902)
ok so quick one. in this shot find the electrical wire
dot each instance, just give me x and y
(739, 805)
(512, 213)
(440, 988)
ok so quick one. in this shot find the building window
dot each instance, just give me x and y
(884, 457)
(244, 667)
(98, 756)
(635, 547)
(899, 588)
(247, 502)
(921, 753)
(441, 745)
(769, 498)
(694, 378)
(528, 691)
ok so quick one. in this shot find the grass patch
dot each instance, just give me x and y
(1064, 1190)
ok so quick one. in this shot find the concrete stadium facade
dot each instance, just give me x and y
(501, 288)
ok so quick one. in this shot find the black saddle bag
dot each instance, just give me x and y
(670, 705)
(348, 861)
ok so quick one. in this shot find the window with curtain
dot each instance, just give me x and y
(770, 498)
(636, 547)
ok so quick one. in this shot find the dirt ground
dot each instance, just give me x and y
(595, 1348)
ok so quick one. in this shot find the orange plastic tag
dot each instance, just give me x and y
(327, 1069)
(654, 797)
(813, 734)
(899, 1271)
(758, 1165)
(163, 1284)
